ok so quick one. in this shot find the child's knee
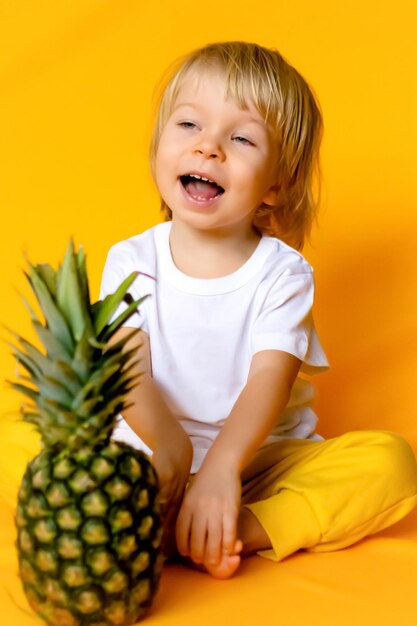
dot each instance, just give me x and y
(396, 462)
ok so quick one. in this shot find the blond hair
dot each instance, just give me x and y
(287, 103)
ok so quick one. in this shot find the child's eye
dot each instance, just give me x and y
(243, 140)
(187, 124)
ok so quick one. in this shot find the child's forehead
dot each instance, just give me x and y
(195, 82)
(252, 92)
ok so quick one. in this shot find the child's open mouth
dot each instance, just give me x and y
(199, 188)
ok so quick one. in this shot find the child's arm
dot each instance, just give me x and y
(207, 523)
(153, 422)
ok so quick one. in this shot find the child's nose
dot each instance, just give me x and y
(209, 147)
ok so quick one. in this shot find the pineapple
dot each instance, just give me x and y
(88, 514)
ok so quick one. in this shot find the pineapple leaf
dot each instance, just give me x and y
(40, 365)
(84, 349)
(48, 275)
(71, 296)
(127, 406)
(124, 375)
(33, 315)
(33, 353)
(123, 386)
(29, 364)
(26, 379)
(52, 389)
(35, 356)
(27, 391)
(30, 416)
(84, 356)
(120, 359)
(54, 348)
(107, 413)
(113, 407)
(104, 309)
(94, 385)
(96, 344)
(116, 347)
(62, 371)
(53, 316)
(77, 381)
(101, 376)
(88, 406)
(128, 388)
(54, 434)
(115, 325)
(82, 275)
(53, 412)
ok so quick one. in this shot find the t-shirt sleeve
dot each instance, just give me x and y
(119, 264)
(285, 319)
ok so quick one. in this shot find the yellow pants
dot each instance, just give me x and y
(326, 495)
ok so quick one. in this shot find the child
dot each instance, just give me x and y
(228, 327)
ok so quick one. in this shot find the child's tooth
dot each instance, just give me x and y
(197, 177)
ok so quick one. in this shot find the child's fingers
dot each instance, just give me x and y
(182, 532)
(229, 533)
(214, 542)
(198, 537)
(238, 546)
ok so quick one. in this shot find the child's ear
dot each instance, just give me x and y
(271, 196)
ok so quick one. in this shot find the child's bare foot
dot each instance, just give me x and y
(225, 568)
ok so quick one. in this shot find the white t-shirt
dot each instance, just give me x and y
(204, 332)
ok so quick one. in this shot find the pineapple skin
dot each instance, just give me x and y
(89, 535)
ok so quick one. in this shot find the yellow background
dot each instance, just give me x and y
(76, 85)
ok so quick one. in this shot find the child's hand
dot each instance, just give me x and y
(172, 466)
(207, 522)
